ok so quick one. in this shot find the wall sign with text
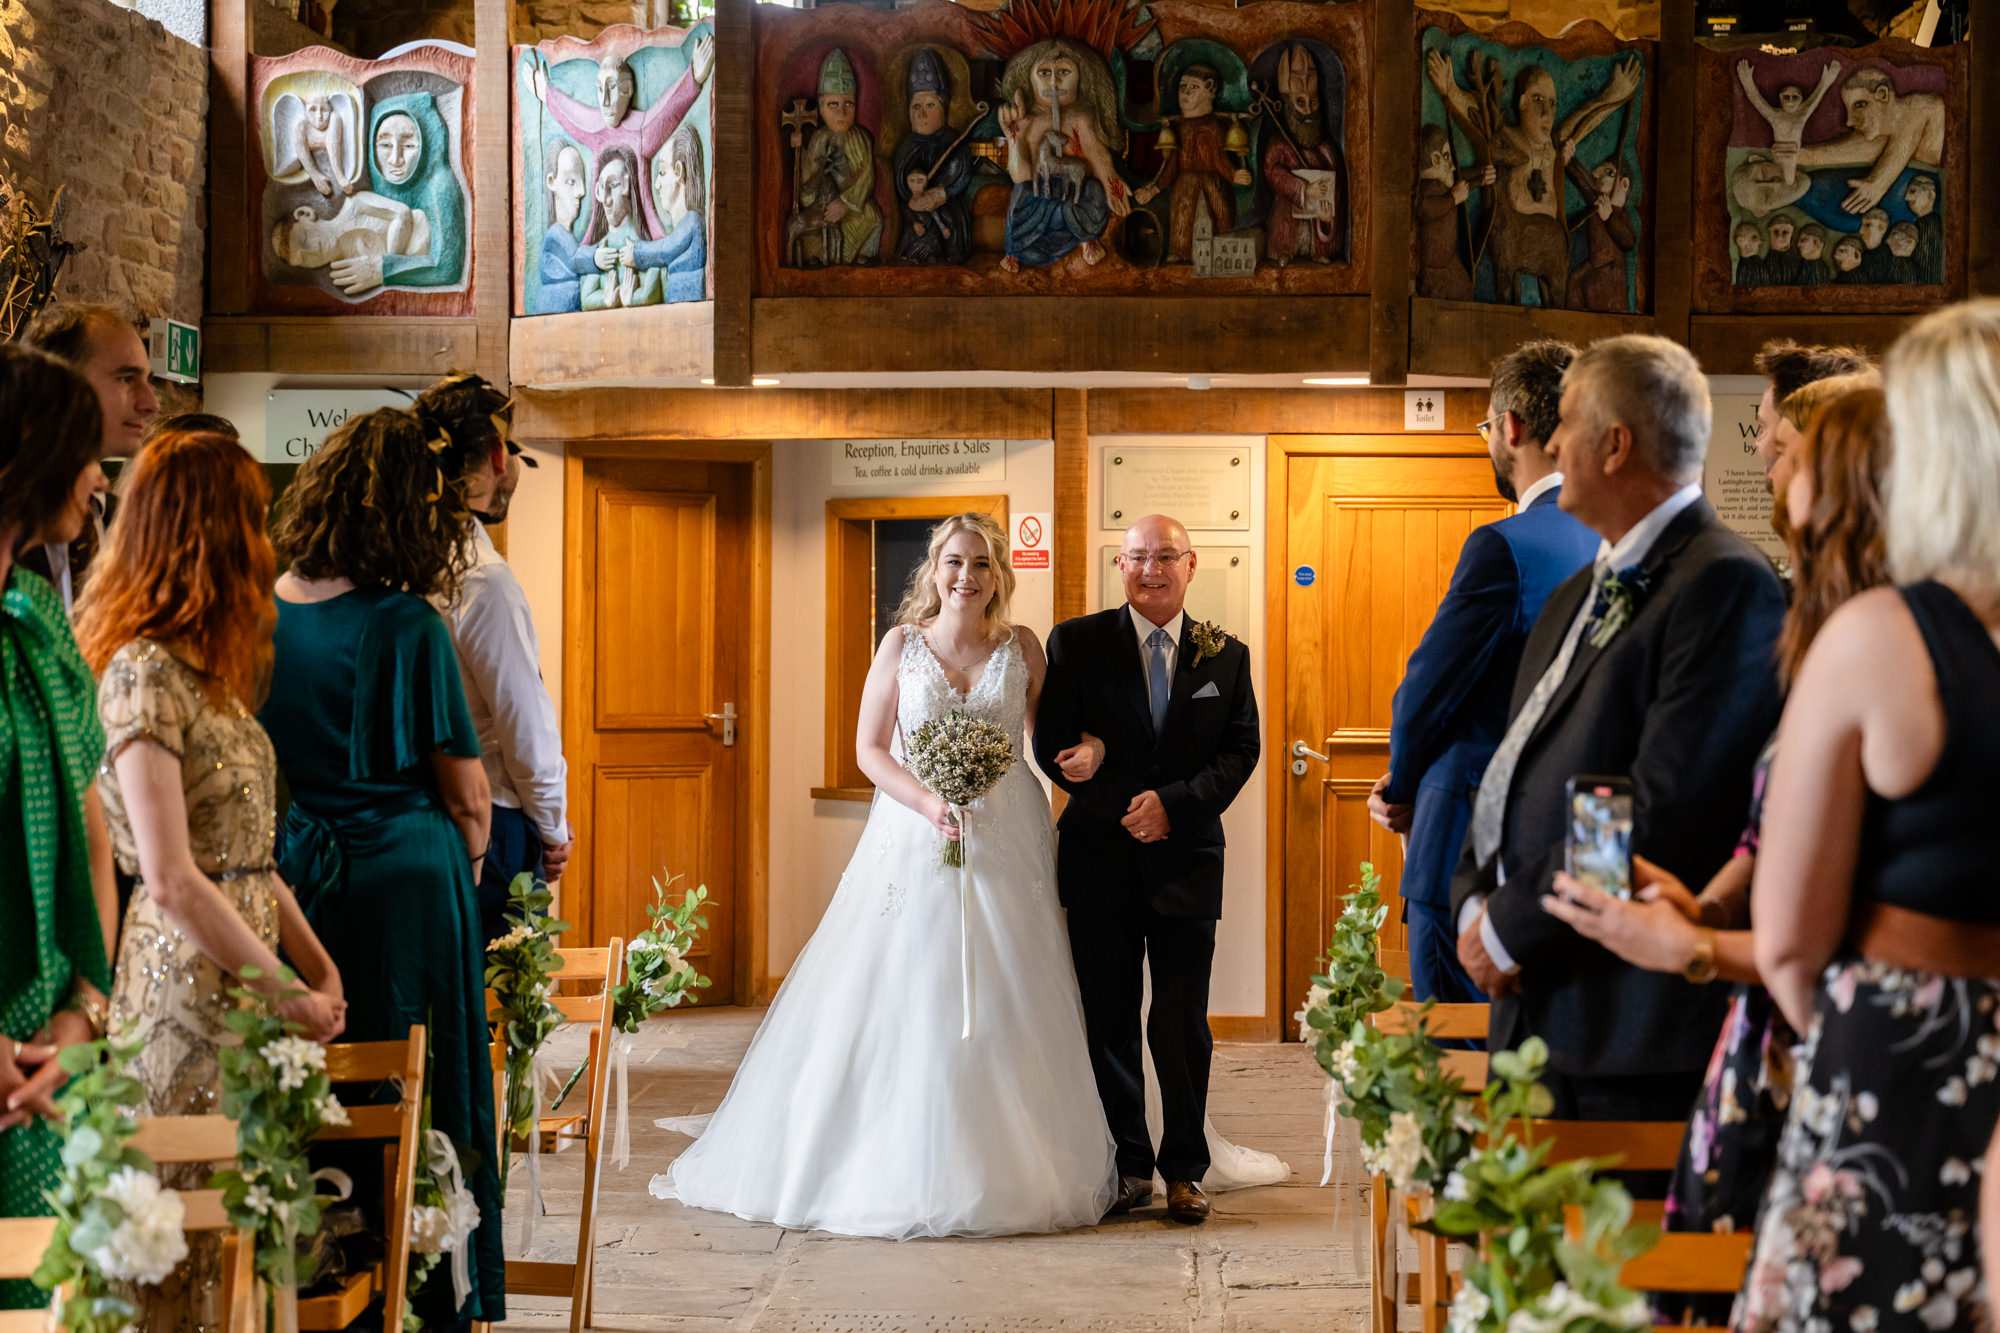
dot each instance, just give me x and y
(297, 421)
(887, 463)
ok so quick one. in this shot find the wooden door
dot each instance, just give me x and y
(1380, 526)
(659, 630)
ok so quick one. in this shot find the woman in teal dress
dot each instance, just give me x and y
(56, 898)
(388, 823)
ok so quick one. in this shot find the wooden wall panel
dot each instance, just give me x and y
(1306, 411)
(654, 670)
(656, 415)
(654, 815)
(492, 177)
(615, 346)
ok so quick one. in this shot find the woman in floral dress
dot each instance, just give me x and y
(1877, 922)
(178, 618)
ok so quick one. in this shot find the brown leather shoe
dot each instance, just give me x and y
(1186, 1203)
(1133, 1192)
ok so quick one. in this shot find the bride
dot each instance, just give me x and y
(922, 1071)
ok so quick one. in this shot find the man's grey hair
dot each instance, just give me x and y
(1528, 382)
(1654, 388)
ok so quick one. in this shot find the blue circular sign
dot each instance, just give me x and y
(1304, 576)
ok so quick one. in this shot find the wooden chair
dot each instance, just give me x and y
(373, 1063)
(600, 971)
(1694, 1262)
(169, 1141)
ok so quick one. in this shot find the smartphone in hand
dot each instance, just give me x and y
(1598, 846)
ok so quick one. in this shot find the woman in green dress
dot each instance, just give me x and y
(388, 822)
(57, 900)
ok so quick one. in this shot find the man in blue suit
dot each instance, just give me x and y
(1451, 709)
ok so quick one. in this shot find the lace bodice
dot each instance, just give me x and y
(1000, 695)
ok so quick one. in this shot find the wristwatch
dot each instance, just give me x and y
(1700, 969)
(95, 1008)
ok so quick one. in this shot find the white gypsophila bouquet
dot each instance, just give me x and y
(959, 758)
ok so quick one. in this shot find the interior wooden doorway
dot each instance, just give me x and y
(1364, 533)
(666, 668)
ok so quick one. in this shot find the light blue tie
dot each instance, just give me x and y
(1159, 682)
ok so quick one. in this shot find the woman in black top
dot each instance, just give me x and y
(1875, 907)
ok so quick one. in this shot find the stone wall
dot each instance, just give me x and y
(107, 102)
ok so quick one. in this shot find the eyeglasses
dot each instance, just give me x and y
(1486, 426)
(1163, 559)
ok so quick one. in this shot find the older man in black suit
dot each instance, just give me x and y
(1149, 722)
(1656, 663)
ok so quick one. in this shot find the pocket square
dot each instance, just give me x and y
(1208, 691)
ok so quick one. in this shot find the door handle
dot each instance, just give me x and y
(727, 717)
(1301, 752)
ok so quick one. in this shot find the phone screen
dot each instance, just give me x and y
(1598, 849)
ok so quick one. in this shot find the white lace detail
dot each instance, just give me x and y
(892, 905)
(1000, 695)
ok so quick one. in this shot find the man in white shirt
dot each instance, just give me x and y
(1656, 664)
(106, 350)
(499, 658)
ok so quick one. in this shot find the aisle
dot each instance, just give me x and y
(1267, 1262)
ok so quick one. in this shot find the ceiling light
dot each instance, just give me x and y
(759, 382)
(1197, 381)
(1339, 381)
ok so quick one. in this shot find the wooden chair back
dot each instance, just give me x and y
(599, 971)
(1683, 1261)
(1449, 1022)
(1640, 1145)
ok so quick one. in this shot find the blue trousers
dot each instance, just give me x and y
(1435, 972)
(515, 847)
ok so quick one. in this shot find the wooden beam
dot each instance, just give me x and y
(1070, 428)
(1982, 272)
(1174, 335)
(1394, 162)
(492, 180)
(1728, 344)
(733, 222)
(1467, 337)
(336, 345)
(1673, 171)
(615, 346)
(780, 414)
(1268, 412)
(229, 247)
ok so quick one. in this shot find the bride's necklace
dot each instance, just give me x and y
(984, 651)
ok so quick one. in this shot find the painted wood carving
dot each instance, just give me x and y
(1098, 146)
(1835, 169)
(612, 141)
(361, 182)
(1533, 156)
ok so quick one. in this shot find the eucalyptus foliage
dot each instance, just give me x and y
(1528, 1276)
(518, 969)
(1415, 1122)
(113, 1221)
(657, 973)
(275, 1086)
(1353, 984)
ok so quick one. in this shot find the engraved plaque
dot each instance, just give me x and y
(1202, 487)
(1219, 591)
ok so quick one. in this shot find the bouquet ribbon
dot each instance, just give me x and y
(621, 1134)
(964, 930)
(459, 1207)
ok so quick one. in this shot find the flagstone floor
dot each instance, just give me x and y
(1271, 1260)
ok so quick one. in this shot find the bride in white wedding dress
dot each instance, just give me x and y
(923, 1071)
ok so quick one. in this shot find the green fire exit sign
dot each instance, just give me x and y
(175, 349)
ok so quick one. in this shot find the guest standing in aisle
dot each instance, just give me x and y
(388, 824)
(1451, 709)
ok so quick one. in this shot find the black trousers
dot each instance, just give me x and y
(515, 847)
(1111, 951)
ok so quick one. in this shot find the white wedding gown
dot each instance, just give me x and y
(923, 1070)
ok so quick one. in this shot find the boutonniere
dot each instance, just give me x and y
(1617, 602)
(1208, 640)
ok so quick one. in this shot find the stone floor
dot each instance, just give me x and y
(1271, 1260)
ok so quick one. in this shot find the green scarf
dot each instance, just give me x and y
(50, 745)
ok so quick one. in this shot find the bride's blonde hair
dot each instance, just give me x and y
(921, 603)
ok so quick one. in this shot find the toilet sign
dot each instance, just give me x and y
(1034, 537)
(1423, 409)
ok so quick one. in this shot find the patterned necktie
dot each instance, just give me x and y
(1490, 809)
(1158, 682)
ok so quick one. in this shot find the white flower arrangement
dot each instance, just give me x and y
(148, 1242)
(1561, 1305)
(519, 935)
(1401, 1151)
(1469, 1306)
(294, 1060)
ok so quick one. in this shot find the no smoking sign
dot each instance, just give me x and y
(1034, 534)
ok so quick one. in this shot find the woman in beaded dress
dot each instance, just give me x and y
(57, 902)
(178, 621)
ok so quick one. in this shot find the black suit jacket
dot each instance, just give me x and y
(1680, 701)
(1097, 683)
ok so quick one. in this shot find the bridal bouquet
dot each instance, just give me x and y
(959, 758)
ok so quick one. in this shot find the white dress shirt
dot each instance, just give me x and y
(1534, 492)
(1144, 629)
(1626, 552)
(499, 659)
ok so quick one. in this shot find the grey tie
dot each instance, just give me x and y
(1490, 809)
(1159, 683)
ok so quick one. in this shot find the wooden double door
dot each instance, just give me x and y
(661, 626)
(1373, 528)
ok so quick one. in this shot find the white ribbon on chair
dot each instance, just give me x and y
(621, 1132)
(461, 1211)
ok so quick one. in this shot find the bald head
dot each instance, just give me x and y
(1156, 562)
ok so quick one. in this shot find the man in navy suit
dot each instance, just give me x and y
(1451, 709)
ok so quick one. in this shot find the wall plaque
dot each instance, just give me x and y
(1733, 475)
(879, 463)
(1203, 488)
(1220, 591)
(297, 421)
